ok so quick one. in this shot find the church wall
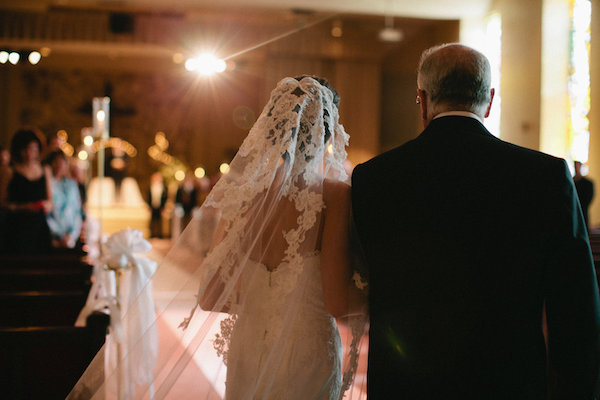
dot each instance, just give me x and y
(555, 70)
(594, 156)
(520, 71)
(361, 115)
(400, 117)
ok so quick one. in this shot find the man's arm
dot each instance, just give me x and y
(572, 303)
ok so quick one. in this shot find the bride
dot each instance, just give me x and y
(271, 246)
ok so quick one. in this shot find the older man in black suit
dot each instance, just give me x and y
(469, 240)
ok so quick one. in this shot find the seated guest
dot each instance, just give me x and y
(65, 219)
(27, 196)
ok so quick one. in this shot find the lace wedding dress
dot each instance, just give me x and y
(258, 328)
(309, 365)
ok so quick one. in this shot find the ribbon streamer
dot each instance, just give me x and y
(127, 292)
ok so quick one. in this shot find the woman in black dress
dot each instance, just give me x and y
(27, 197)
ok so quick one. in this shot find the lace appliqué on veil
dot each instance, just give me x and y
(222, 339)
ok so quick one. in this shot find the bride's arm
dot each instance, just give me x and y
(213, 291)
(340, 295)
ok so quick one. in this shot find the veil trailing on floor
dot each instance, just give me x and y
(250, 258)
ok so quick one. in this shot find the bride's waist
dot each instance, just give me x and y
(268, 311)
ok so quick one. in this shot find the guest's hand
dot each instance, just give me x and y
(35, 206)
(67, 241)
(46, 206)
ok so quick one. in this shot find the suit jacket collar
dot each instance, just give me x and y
(459, 113)
(453, 126)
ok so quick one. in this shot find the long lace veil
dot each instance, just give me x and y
(264, 217)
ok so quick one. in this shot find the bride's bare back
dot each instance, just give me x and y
(269, 248)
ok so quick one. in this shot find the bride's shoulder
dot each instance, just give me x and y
(335, 190)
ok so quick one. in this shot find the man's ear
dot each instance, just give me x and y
(489, 107)
(422, 101)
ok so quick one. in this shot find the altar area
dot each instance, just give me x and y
(118, 209)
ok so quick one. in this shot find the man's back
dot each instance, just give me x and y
(466, 236)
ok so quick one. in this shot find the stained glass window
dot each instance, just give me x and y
(579, 79)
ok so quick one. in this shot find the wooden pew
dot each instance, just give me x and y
(37, 308)
(46, 362)
(62, 271)
(42, 353)
(42, 290)
(44, 279)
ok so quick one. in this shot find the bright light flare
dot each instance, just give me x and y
(34, 57)
(224, 168)
(88, 140)
(82, 155)
(13, 58)
(199, 172)
(179, 175)
(205, 64)
(3, 57)
(100, 115)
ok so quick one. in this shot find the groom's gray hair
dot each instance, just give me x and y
(456, 76)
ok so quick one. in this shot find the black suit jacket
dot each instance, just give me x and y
(466, 238)
(156, 212)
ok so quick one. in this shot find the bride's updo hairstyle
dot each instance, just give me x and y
(323, 82)
(336, 99)
(299, 120)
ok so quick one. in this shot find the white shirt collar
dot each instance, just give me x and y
(460, 113)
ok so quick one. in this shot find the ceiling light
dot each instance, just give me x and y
(389, 33)
(205, 64)
(336, 28)
(14, 57)
(34, 57)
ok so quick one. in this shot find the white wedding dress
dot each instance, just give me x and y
(309, 365)
(277, 340)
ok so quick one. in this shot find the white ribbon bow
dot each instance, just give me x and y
(132, 309)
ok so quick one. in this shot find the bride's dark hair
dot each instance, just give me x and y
(335, 98)
(303, 128)
(324, 82)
